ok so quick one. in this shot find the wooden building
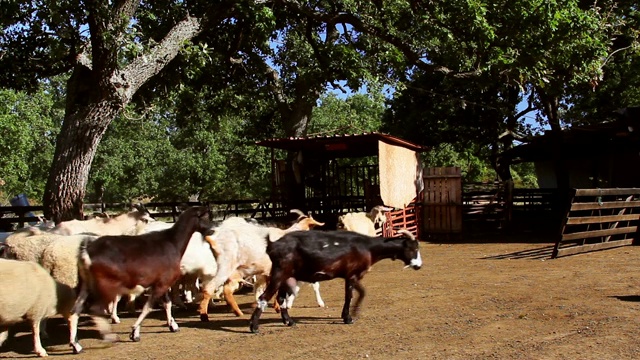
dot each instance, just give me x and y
(343, 173)
(605, 155)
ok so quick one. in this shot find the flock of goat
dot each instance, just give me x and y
(85, 266)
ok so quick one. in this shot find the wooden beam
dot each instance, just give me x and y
(604, 205)
(599, 233)
(605, 192)
(572, 250)
(601, 219)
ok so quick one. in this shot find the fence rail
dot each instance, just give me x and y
(478, 206)
(10, 216)
(599, 219)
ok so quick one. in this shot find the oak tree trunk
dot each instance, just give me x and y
(99, 88)
(89, 112)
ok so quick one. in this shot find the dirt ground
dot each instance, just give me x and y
(469, 301)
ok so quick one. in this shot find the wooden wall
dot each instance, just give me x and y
(442, 200)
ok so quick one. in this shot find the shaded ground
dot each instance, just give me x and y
(469, 301)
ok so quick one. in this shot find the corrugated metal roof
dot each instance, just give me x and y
(345, 145)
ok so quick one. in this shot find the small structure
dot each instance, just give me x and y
(604, 155)
(602, 161)
(343, 173)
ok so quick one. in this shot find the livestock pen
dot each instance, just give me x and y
(470, 301)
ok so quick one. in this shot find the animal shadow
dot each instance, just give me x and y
(21, 339)
(241, 324)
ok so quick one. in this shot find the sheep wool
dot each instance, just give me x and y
(60, 258)
(30, 293)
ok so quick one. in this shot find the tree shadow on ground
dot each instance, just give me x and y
(629, 298)
(532, 254)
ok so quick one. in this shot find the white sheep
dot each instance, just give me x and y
(130, 223)
(27, 244)
(364, 222)
(60, 258)
(240, 249)
(30, 293)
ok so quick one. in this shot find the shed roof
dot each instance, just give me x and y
(337, 146)
(620, 135)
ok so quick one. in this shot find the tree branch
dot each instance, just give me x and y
(150, 63)
(412, 57)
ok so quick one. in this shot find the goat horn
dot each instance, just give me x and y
(407, 233)
(299, 212)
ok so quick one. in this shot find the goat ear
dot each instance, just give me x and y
(140, 207)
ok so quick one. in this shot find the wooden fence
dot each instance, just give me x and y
(532, 208)
(483, 204)
(16, 216)
(599, 219)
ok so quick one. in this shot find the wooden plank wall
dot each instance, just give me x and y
(442, 200)
(599, 219)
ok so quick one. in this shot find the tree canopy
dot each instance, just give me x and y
(200, 76)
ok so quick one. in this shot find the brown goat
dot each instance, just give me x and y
(110, 266)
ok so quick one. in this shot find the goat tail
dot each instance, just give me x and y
(83, 257)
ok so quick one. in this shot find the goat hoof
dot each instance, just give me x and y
(253, 329)
(348, 320)
(110, 338)
(204, 317)
(290, 323)
(174, 329)
(76, 350)
(134, 338)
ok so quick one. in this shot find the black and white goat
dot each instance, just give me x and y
(315, 255)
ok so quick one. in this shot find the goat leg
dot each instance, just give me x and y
(348, 294)
(276, 282)
(284, 311)
(74, 317)
(146, 309)
(228, 289)
(204, 306)
(360, 289)
(255, 317)
(171, 322)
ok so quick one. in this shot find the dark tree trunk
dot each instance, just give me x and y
(86, 120)
(296, 122)
(550, 104)
(96, 92)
